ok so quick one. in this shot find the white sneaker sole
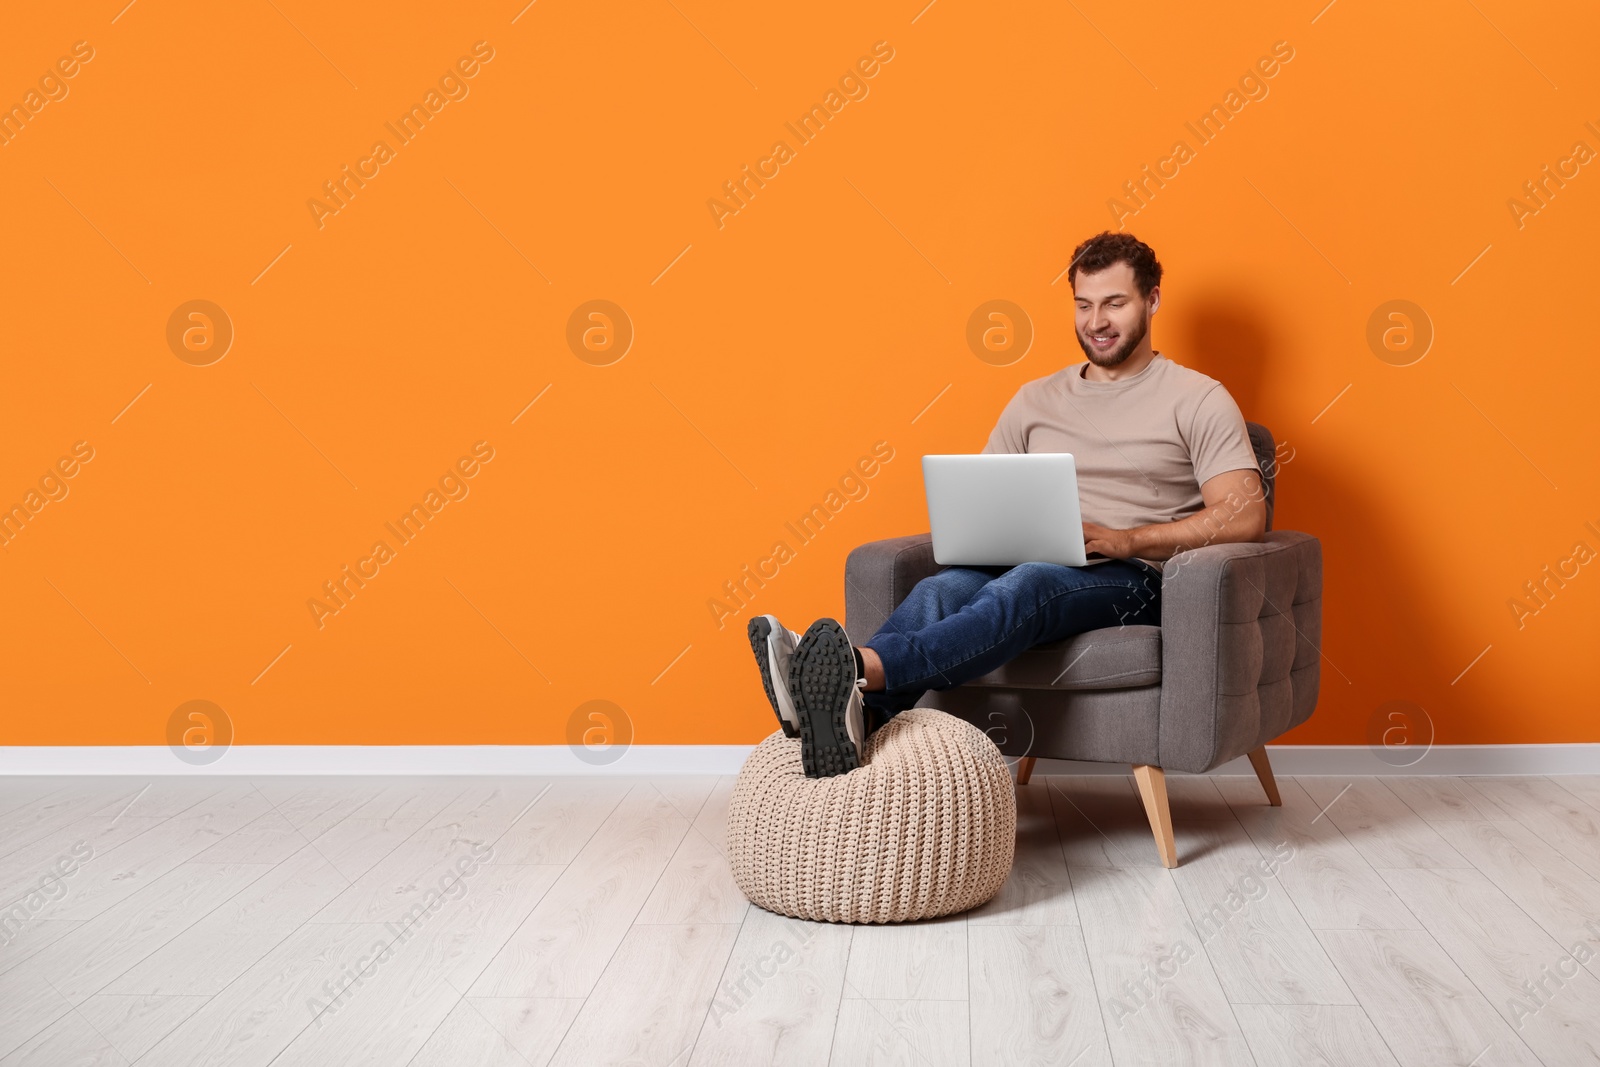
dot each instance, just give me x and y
(773, 645)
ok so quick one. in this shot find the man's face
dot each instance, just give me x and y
(1112, 316)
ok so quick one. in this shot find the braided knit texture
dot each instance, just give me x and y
(926, 826)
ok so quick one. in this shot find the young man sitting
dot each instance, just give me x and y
(1163, 461)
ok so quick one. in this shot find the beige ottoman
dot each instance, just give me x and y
(926, 826)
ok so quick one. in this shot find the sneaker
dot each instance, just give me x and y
(827, 699)
(774, 646)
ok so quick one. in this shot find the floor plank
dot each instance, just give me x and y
(1585, 787)
(315, 804)
(777, 1001)
(164, 797)
(32, 822)
(909, 961)
(255, 1018)
(696, 887)
(1554, 814)
(1159, 996)
(649, 1003)
(1536, 984)
(900, 1033)
(1313, 1035)
(1330, 882)
(712, 821)
(495, 900)
(206, 957)
(557, 828)
(485, 810)
(1241, 914)
(562, 947)
(1033, 998)
(465, 1037)
(686, 793)
(20, 791)
(1380, 825)
(1427, 1010)
(103, 948)
(28, 1005)
(62, 855)
(133, 1024)
(70, 1041)
(1544, 883)
(1101, 821)
(387, 1011)
(266, 839)
(1442, 800)
(409, 877)
(406, 800)
(395, 1004)
(355, 846)
(534, 1026)
(144, 860)
(23, 942)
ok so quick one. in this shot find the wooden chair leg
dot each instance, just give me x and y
(1024, 769)
(1153, 791)
(1258, 760)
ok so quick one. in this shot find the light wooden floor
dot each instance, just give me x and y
(593, 921)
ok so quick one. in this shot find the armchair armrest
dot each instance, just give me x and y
(878, 575)
(1241, 640)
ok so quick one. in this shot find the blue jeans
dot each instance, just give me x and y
(963, 622)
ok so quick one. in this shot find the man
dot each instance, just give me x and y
(1164, 463)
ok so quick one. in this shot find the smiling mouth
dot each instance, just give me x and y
(1103, 341)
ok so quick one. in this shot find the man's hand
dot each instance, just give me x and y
(1118, 544)
(1235, 511)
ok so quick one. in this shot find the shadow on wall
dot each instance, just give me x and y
(1223, 337)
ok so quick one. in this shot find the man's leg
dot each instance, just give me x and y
(931, 600)
(1001, 618)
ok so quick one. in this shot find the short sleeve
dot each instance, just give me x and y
(1218, 440)
(1006, 437)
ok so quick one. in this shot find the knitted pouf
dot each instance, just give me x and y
(926, 826)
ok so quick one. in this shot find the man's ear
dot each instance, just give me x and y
(1155, 299)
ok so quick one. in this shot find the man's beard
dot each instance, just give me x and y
(1119, 355)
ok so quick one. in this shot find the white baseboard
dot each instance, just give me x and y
(374, 759)
(717, 759)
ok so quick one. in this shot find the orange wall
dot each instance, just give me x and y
(777, 350)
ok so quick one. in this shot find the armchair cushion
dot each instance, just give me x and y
(1119, 657)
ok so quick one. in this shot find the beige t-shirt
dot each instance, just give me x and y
(1142, 446)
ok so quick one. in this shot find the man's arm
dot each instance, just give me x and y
(1236, 510)
(1007, 436)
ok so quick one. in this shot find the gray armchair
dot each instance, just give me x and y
(1233, 665)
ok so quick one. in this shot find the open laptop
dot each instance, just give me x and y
(1004, 509)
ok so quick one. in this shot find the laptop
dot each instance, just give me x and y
(1004, 509)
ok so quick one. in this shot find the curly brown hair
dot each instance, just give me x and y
(1105, 249)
